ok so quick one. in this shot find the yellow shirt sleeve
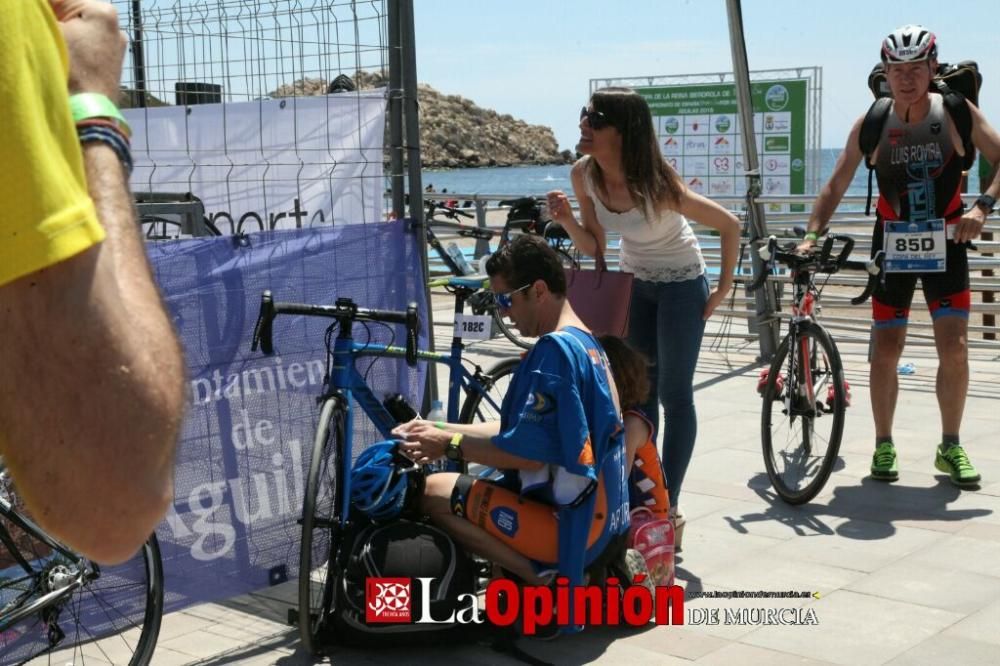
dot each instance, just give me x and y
(47, 215)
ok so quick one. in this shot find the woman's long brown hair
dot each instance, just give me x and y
(650, 180)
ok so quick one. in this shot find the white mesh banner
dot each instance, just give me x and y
(274, 163)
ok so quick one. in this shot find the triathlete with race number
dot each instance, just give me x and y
(918, 164)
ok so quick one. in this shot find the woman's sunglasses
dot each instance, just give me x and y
(506, 300)
(595, 119)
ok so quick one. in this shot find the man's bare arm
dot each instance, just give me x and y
(91, 396)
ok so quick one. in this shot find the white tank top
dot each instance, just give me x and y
(665, 250)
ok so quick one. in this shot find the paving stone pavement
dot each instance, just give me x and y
(905, 573)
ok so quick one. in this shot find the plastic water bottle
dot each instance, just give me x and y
(437, 412)
(455, 253)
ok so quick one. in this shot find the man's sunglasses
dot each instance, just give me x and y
(506, 300)
(596, 119)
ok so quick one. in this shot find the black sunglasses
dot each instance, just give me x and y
(596, 119)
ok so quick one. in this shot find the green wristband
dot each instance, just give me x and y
(95, 105)
(440, 425)
(812, 236)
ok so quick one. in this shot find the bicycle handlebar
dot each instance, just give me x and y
(345, 310)
(819, 263)
(449, 211)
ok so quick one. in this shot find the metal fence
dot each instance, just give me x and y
(851, 323)
(185, 53)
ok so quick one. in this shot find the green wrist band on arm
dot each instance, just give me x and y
(95, 105)
(812, 236)
(440, 425)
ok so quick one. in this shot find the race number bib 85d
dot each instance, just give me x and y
(915, 247)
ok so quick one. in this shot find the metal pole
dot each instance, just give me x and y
(138, 59)
(416, 212)
(768, 325)
(396, 183)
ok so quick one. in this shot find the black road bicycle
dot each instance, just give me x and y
(59, 606)
(525, 215)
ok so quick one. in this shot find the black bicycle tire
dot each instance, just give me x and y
(508, 331)
(829, 347)
(472, 400)
(145, 646)
(331, 415)
(154, 604)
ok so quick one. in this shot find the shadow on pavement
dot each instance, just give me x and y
(870, 508)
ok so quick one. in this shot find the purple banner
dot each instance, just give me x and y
(247, 438)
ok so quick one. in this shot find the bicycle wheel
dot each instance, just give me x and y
(802, 418)
(509, 331)
(114, 617)
(318, 566)
(480, 407)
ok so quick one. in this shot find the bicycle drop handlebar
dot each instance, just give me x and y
(345, 311)
(820, 262)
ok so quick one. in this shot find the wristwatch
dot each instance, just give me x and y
(986, 203)
(454, 450)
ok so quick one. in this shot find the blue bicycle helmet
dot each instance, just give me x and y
(379, 488)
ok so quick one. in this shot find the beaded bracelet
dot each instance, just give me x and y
(112, 138)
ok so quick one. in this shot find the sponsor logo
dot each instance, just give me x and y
(387, 600)
(505, 520)
(540, 402)
(798, 164)
(722, 141)
(671, 141)
(671, 125)
(775, 144)
(776, 97)
(722, 124)
(696, 183)
(935, 128)
(533, 606)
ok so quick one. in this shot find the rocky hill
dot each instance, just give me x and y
(454, 132)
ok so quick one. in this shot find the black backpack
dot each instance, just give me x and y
(955, 83)
(410, 550)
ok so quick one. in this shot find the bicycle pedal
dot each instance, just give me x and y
(779, 385)
(830, 394)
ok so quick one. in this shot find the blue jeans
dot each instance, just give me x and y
(666, 325)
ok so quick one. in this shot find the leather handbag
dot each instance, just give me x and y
(601, 298)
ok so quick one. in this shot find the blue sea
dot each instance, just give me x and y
(533, 180)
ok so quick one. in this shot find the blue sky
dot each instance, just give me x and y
(534, 60)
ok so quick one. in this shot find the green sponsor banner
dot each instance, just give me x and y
(698, 129)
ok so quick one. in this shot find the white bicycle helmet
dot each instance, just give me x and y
(911, 43)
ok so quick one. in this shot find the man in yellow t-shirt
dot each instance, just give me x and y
(91, 391)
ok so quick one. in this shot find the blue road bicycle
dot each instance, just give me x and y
(326, 512)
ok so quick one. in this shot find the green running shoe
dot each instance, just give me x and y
(884, 463)
(955, 463)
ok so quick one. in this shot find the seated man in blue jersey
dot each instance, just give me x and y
(564, 498)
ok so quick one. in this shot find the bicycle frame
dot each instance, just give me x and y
(83, 569)
(803, 307)
(347, 383)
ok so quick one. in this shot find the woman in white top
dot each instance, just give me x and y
(624, 185)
